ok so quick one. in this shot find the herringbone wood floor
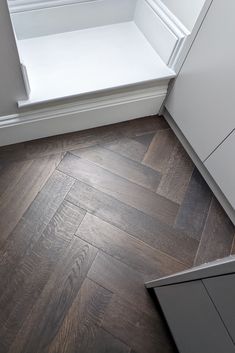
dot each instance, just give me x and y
(85, 219)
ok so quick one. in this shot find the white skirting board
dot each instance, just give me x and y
(81, 115)
(201, 167)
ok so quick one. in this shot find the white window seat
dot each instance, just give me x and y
(88, 61)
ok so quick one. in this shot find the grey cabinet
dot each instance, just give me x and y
(198, 306)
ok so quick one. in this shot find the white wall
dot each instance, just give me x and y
(186, 10)
(12, 86)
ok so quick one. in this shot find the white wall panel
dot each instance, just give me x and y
(202, 99)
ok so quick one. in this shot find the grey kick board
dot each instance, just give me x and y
(222, 292)
(193, 320)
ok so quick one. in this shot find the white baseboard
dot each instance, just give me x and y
(81, 115)
(201, 167)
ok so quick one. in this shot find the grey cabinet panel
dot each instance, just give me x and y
(193, 319)
(222, 168)
(222, 292)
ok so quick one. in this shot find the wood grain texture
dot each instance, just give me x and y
(175, 180)
(134, 253)
(194, 209)
(31, 178)
(104, 342)
(44, 323)
(77, 245)
(80, 326)
(128, 148)
(136, 328)
(217, 236)
(27, 283)
(32, 224)
(145, 139)
(160, 150)
(124, 167)
(119, 188)
(122, 280)
(134, 222)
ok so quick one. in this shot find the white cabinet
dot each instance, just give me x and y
(202, 99)
(221, 165)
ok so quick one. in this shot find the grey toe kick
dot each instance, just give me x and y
(200, 311)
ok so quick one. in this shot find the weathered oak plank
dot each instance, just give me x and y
(124, 167)
(146, 228)
(34, 271)
(32, 224)
(126, 248)
(142, 332)
(194, 209)
(160, 150)
(119, 188)
(19, 195)
(217, 236)
(175, 180)
(47, 316)
(81, 325)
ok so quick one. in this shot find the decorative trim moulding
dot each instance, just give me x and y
(163, 30)
(80, 115)
(29, 5)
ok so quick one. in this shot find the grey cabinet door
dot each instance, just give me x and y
(193, 319)
(222, 292)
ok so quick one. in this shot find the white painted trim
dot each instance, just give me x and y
(26, 79)
(163, 30)
(81, 115)
(201, 167)
(71, 17)
(22, 5)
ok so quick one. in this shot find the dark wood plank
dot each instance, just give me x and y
(12, 171)
(86, 138)
(121, 189)
(80, 326)
(160, 150)
(176, 177)
(126, 248)
(19, 195)
(148, 229)
(104, 342)
(32, 224)
(194, 209)
(42, 326)
(34, 271)
(233, 247)
(144, 333)
(145, 139)
(124, 167)
(217, 236)
(128, 148)
(121, 280)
